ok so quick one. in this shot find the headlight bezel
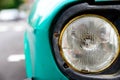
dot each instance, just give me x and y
(110, 12)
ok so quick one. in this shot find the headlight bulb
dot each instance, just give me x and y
(89, 43)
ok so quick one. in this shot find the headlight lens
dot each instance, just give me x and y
(89, 43)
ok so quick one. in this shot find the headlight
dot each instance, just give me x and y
(89, 43)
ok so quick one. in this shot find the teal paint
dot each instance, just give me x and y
(27, 57)
(40, 62)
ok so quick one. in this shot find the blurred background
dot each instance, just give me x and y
(13, 22)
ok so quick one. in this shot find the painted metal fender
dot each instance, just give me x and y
(40, 62)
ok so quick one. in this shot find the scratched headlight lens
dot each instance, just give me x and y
(89, 43)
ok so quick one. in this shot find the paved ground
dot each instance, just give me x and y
(12, 66)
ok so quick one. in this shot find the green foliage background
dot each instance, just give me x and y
(5, 4)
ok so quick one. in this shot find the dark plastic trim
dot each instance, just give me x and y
(111, 12)
(109, 2)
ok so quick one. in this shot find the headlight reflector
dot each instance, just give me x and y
(89, 43)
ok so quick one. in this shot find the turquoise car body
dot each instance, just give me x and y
(40, 62)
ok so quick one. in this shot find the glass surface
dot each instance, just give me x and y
(89, 43)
